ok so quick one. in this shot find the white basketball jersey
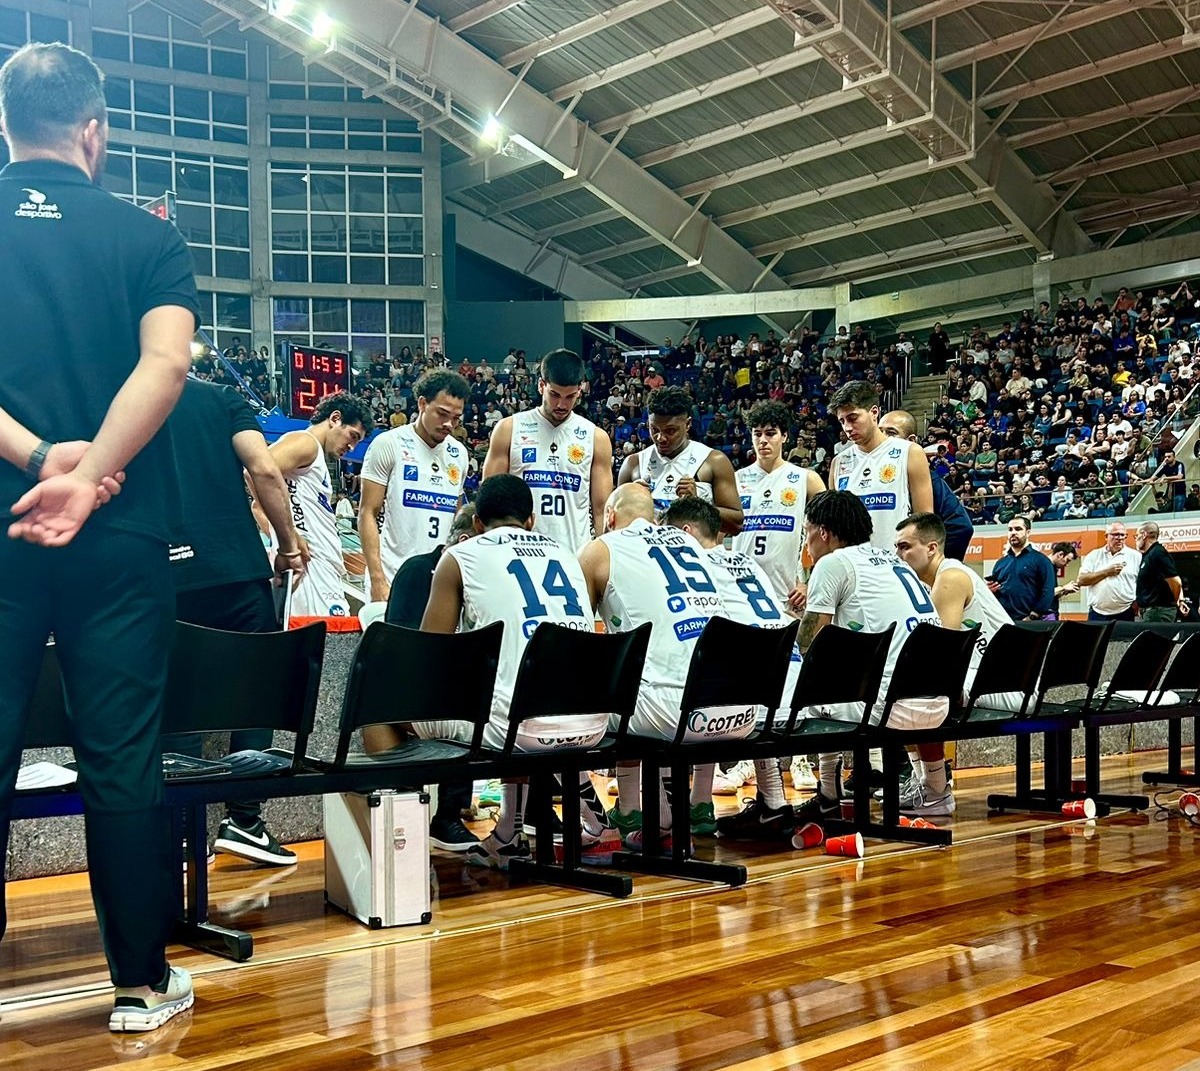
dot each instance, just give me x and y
(983, 610)
(661, 575)
(880, 479)
(866, 589)
(424, 485)
(322, 592)
(664, 473)
(555, 460)
(746, 591)
(522, 578)
(773, 505)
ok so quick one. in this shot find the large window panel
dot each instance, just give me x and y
(289, 232)
(329, 314)
(289, 190)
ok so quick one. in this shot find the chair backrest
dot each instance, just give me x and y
(1011, 662)
(47, 724)
(734, 664)
(841, 667)
(1183, 674)
(932, 662)
(566, 672)
(1075, 659)
(1140, 667)
(401, 674)
(225, 681)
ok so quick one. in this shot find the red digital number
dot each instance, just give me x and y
(338, 365)
(306, 400)
(298, 358)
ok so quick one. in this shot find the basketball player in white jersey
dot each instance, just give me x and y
(889, 475)
(676, 465)
(746, 592)
(865, 588)
(509, 573)
(339, 423)
(638, 572)
(564, 458)
(962, 600)
(412, 481)
(774, 493)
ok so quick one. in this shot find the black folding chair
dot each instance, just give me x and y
(403, 675)
(1074, 659)
(1137, 674)
(224, 682)
(571, 674)
(932, 664)
(1182, 678)
(710, 683)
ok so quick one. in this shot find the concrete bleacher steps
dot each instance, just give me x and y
(921, 397)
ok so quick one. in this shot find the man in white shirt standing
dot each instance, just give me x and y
(1109, 575)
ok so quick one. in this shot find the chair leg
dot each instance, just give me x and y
(193, 928)
(1175, 774)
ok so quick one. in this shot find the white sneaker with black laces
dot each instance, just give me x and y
(256, 843)
(145, 1008)
(496, 853)
(918, 800)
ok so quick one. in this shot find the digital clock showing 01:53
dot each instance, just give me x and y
(313, 374)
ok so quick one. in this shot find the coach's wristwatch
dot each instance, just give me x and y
(33, 467)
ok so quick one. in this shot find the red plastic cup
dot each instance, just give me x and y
(1189, 804)
(847, 810)
(1085, 808)
(916, 823)
(850, 845)
(809, 835)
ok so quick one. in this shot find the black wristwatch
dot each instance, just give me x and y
(33, 467)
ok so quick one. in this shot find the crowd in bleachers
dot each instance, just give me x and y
(1063, 413)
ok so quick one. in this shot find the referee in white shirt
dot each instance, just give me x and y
(1109, 576)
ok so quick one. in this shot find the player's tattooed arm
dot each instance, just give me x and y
(810, 625)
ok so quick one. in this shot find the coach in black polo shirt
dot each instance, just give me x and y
(99, 308)
(219, 565)
(1159, 589)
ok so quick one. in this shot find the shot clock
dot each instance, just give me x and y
(312, 375)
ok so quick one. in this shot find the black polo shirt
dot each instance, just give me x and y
(1156, 565)
(79, 270)
(218, 542)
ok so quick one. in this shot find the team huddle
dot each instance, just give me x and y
(549, 539)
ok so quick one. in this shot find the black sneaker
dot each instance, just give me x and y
(874, 779)
(757, 821)
(817, 808)
(450, 834)
(257, 844)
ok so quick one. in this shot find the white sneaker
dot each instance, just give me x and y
(727, 782)
(142, 1008)
(802, 773)
(918, 800)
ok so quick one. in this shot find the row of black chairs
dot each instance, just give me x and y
(399, 675)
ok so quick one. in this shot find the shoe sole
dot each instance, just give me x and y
(255, 855)
(132, 1021)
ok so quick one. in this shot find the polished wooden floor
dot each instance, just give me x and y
(1031, 944)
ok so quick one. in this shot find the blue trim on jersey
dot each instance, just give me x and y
(690, 629)
(769, 522)
(559, 481)
(418, 499)
(879, 500)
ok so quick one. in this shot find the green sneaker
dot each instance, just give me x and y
(489, 795)
(704, 820)
(624, 823)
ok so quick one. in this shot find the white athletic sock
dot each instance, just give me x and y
(828, 774)
(702, 782)
(935, 777)
(664, 798)
(512, 812)
(770, 783)
(629, 789)
(591, 810)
